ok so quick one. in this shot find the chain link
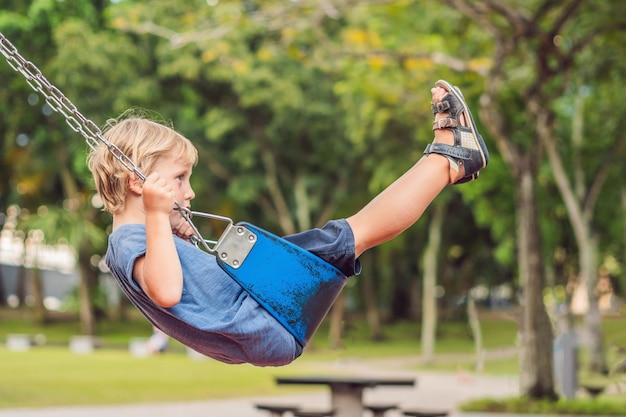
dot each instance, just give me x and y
(76, 121)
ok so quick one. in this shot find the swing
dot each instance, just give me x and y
(295, 286)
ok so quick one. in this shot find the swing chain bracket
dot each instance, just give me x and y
(235, 242)
(234, 245)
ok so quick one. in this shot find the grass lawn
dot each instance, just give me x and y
(52, 375)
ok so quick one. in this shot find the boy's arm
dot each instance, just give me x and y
(159, 272)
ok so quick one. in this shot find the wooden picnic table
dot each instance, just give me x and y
(346, 392)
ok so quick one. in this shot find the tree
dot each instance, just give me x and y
(260, 101)
(429, 295)
(347, 85)
(291, 105)
(536, 47)
(60, 183)
(582, 181)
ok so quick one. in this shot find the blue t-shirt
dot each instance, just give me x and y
(215, 316)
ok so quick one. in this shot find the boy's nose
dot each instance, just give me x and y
(190, 194)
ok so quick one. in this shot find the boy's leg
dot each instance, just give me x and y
(402, 203)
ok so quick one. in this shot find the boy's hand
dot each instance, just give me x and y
(182, 228)
(158, 195)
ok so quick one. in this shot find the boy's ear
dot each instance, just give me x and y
(135, 184)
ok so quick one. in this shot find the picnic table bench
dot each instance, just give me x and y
(346, 392)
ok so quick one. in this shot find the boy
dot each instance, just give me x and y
(182, 290)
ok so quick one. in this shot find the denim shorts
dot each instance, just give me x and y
(334, 243)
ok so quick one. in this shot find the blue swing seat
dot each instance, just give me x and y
(297, 287)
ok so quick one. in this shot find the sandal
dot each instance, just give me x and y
(469, 149)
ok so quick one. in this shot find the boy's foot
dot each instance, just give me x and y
(456, 136)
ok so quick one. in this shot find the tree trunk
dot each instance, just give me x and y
(477, 334)
(368, 283)
(536, 378)
(22, 278)
(85, 291)
(429, 296)
(593, 318)
(336, 322)
(123, 308)
(580, 201)
(623, 200)
(3, 293)
(536, 336)
(39, 311)
(402, 276)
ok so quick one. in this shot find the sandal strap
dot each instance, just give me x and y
(446, 122)
(440, 107)
(448, 150)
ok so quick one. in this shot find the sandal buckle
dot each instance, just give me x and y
(441, 107)
(444, 123)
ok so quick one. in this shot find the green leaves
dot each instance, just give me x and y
(302, 113)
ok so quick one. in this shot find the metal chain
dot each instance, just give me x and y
(80, 124)
(61, 104)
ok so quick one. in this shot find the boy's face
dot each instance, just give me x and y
(177, 174)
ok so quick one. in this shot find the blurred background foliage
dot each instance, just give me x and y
(303, 110)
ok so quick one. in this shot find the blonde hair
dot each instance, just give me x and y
(144, 141)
